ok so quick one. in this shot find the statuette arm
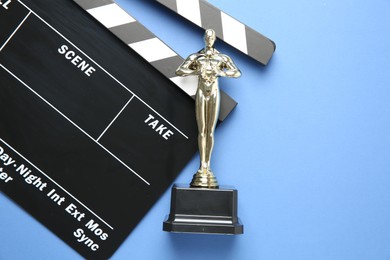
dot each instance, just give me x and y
(188, 67)
(229, 69)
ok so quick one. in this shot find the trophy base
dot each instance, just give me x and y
(203, 211)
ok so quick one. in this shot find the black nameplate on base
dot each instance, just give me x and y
(205, 211)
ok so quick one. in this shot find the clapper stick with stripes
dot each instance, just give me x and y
(161, 56)
(146, 44)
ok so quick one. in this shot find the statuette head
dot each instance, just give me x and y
(209, 37)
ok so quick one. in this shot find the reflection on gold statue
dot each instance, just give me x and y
(208, 64)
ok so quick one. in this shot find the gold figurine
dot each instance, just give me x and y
(208, 64)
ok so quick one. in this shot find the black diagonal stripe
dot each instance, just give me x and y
(211, 18)
(168, 66)
(171, 4)
(259, 47)
(227, 106)
(132, 32)
(88, 4)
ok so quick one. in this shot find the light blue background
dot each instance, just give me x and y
(308, 146)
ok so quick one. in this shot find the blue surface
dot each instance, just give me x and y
(307, 147)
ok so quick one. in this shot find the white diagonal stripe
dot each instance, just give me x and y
(189, 9)
(234, 32)
(152, 49)
(188, 84)
(111, 15)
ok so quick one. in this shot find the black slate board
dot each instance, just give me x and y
(74, 145)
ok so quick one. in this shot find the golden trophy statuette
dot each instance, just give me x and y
(208, 64)
(204, 206)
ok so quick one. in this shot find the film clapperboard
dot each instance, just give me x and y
(93, 132)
